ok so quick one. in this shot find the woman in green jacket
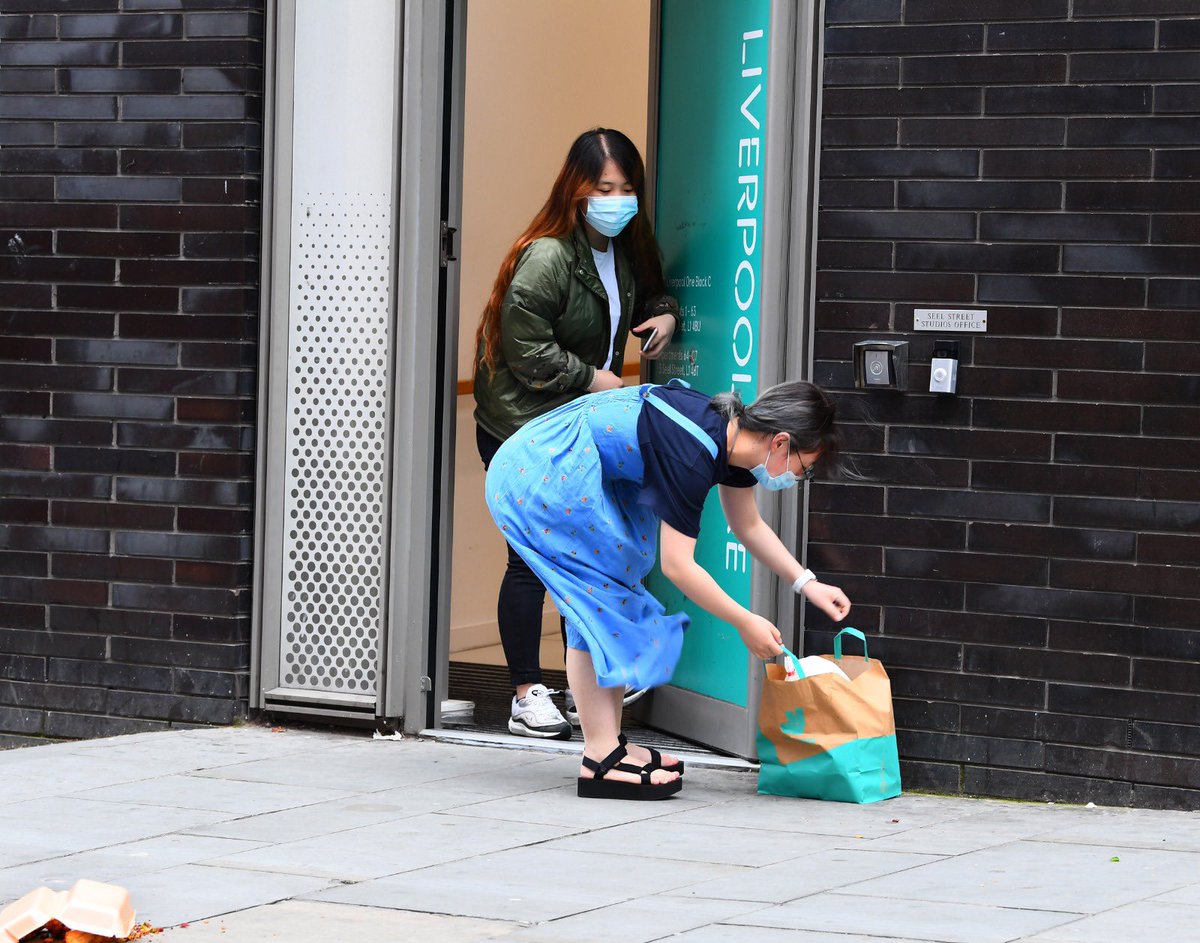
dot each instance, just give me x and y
(583, 274)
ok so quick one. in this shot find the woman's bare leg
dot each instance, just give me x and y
(600, 716)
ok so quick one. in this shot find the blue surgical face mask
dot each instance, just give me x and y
(610, 214)
(774, 482)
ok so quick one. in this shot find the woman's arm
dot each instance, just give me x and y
(678, 560)
(533, 304)
(741, 513)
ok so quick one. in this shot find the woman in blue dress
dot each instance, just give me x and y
(584, 493)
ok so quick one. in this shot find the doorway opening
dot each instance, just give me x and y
(534, 79)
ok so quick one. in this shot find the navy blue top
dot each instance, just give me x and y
(680, 470)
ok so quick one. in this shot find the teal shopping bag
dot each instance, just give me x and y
(829, 735)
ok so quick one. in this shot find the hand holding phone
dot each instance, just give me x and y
(649, 339)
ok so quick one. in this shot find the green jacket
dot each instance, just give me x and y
(554, 331)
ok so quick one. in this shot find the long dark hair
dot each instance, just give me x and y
(563, 211)
(804, 411)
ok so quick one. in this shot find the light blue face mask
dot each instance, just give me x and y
(610, 214)
(775, 482)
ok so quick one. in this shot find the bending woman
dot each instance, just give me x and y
(581, 495)
(555, 327)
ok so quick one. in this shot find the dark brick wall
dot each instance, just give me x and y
(129, 218)
(1027, 551)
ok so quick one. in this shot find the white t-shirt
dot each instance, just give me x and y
(606, 266)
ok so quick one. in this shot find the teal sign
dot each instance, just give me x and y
(709, 186)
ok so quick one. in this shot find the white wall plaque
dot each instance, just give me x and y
(949, 319)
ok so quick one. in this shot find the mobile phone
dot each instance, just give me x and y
(649, 339)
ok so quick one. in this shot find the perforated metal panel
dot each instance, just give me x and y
(336, 445)
(334, 530)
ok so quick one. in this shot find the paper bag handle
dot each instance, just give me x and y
(837, 643)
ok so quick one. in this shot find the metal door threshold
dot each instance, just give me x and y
(694, 757)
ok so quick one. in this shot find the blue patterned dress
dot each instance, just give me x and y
(564, 490)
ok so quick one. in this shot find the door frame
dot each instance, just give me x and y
(785, 326)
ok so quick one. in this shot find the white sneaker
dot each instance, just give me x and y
(535, 715)
(631, 695)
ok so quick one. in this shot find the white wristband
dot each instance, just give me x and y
(805, 577)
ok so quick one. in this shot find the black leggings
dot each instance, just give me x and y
(522, 598)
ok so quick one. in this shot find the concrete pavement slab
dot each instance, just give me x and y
(302, 921)
(821, 869)
(393, 847)
(715, 844)
(1132, 828)
(1042, 876)
(634, 921)
(115, 865)
(1189, 894)
(846, 820)
(911, 919)
(336, 815)
(72, 825)
(191, 892)
(724, 933)
(234, 797)
(1178, 923)
(561, 806)
(531, 885)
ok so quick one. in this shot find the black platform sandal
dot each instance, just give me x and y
(600, 788)
(655, 757)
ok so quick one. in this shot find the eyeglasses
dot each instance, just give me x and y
(807, 472)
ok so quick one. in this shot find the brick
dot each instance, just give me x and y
(36, 484)
(23, 511)
(23, 564)
(120, 134)
(183, 436)
(119, 298)
(102, 674)
(1167, 484)
(1176, 98)
(1152, 131)
(1053, 164)
(108, 569)
(966, 567)
(182, 546)
(56, 432)
(1177, 165)
(970, 443)
(1053, 603)
(998, 257)
(899, 285)
(1160, 516)
(1134, 67)
(984, 70)
(224, 79)
(1179, 582)
(1043, 787)
(862, 11)
(123, 188)
(1134, 388)
(1068, 99)
(940, 11)
(902, 40)
(190, 107)
(1054, 417)
(1062, 290)
(242, 24)
(982, 132)
(854, 255)
(1174, 293)
(161, 652)
(889, 102)
(1179, 34)
(126, 461)
(1147, 260)
(858, 131)
(110, 406)
(107, 621)
(81, 726)
(120, 25)
(120, 81)
(1064, 227)
(1079, 35)
(899, 163)
(1014, 508)
(111, 515)
(954, 194)
(1052, 479)
(968, 689)
(1133, 7)
(180, 491)
(895, 225)
(861, 70)
(27, 27)
(193, 52)
(980, 628)
(61, 53)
